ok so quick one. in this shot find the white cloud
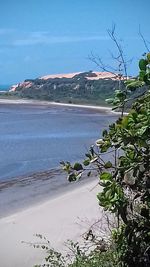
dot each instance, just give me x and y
(14, 37)
(45, 38)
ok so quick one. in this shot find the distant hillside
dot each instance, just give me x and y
(86, 87)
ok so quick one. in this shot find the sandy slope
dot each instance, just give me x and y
(99, 75)
(58, 219)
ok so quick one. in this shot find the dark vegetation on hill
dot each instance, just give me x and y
(70, 90)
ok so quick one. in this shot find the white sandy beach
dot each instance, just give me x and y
(58, 219)
(41, 102)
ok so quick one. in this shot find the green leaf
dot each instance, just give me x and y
(119, 94)
(148, 57)
(134, 85)
(105, 133)
(142, 130)
(142, 74)
(108, 164)
(105, 176)
(88, 155)
(86, 162)
(72, 177)
(146, 79)
(124, 122)
(104, 149)
(131, 154)
(116, 101)
(77, 167)
(110, 100)
(129, 81)
(142, 64)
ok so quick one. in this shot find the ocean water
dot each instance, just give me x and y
(35, 138)
(4, 87)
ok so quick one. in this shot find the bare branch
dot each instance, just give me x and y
(119, 73)
(99, 63)
(143, 39)
(120, 57)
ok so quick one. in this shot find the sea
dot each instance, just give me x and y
(34, 138)
(4, 87)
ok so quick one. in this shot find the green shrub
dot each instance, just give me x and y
(125, 175)
(77, 256)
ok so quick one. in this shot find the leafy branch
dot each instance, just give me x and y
(124, 172)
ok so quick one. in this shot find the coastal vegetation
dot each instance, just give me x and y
(124, 177)
(75, 134)
(77, 90)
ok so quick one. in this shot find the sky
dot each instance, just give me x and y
(40, 37)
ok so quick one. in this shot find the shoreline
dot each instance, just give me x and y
(48, 103)
(67, 216)
(23, 192)
(17, 192)
(30, 182)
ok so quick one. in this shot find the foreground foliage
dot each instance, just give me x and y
(121, 160)
(77, 256)
(124, 172)
(96, 259)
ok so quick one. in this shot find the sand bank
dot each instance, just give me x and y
(47, 103)
(41, 102)
(64, 217)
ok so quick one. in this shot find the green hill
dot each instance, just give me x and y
(81, 88)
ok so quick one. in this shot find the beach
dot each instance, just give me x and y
(41, 102)
(68, 216)
(35, 135)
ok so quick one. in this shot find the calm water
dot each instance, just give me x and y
(35, 138)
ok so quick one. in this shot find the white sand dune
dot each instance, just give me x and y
(60, 75)
(58, 219)
(99, 75)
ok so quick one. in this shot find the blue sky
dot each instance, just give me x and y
(39, 37)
